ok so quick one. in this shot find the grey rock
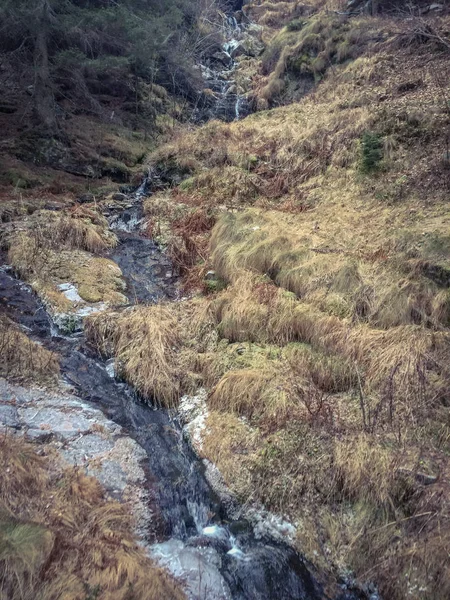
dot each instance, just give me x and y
(197, 567)
(9, 416)
(87, 447)
(111, 476)
(64, 425)
(426, 478)
(118, 197)
(39, 435)
(85, 198)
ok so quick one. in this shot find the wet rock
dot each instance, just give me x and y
(426, 478)
(8, 108)
(249, 46)
(198, 567)
(119, 197)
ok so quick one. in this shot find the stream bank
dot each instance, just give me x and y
(141, 454)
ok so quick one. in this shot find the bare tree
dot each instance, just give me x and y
(44, 101)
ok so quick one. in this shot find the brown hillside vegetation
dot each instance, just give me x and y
(323, 338)
(60, 539)
(22, 359)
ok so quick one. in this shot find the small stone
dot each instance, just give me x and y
(118, 197)
(426, 478)
(86, 198)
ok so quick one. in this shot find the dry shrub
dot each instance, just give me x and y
(59, 537)
(188, 248)
(366, 470)
(399, 533)
(22, 359)
(146, 344)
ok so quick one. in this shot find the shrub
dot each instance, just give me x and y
(371, 152)
(295, 25)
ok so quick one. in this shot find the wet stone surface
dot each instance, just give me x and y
(84, 437)
(148, 273)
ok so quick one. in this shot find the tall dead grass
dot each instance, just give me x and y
(146, 343)
(59, 537)
(22, 359)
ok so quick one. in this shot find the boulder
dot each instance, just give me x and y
(86, 198)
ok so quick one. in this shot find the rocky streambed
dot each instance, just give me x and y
(186, 517)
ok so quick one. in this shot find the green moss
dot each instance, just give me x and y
(295, 25)
(90, 293)
(188, 184)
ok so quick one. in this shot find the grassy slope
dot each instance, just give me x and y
(327, 353)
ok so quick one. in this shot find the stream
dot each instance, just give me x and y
(216, 557)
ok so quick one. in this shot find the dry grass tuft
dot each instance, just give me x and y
(146, 344)
(22, 359)
(59, 537)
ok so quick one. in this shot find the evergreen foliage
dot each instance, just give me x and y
(371, 152)
(80, 48)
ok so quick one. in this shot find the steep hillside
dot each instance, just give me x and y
(318, 235)
(313, 241)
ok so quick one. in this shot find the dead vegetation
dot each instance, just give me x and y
(50, 248)
(326, 354)
(22, 359)
(324, 344)
(146, 343)
(60, 538)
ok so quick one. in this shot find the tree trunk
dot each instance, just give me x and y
(44, 101)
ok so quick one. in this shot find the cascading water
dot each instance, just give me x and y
(216, 557)
(224, 101)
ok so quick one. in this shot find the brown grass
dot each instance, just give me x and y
(146, 343)
(22, 359)
(57, 247)
(326, 356)
(60, 538)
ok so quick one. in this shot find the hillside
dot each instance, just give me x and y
(318, 234)
(313, 243)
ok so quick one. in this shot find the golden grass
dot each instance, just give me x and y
(338, 280)
(53, 248)
(146, 343)
(229, 443)
(326, 356)
(60, 538)
(22, 359)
